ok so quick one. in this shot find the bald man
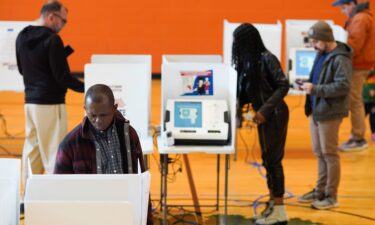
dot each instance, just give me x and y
(104, 143)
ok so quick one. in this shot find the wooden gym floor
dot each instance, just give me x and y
(246, 184)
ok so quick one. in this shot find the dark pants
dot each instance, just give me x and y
(370, 110)
(272, 137)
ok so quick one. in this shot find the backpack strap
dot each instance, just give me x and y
(128, 146)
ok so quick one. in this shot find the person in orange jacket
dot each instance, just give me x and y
(360, 26)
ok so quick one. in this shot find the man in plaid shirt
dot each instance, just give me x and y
(98, 144)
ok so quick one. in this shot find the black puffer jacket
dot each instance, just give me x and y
(41, 59)
(271, 87)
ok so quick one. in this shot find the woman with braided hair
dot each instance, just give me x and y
(262, 83)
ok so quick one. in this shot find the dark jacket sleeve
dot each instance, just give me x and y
(64, 159)
(18, 56)
(279, 83)
(59, 65)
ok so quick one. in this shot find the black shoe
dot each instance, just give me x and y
(22, 208)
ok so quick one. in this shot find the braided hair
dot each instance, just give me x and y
(246, 55)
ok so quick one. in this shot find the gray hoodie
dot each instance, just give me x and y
(332, 91)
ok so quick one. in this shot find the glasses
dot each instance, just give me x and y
(62, 19)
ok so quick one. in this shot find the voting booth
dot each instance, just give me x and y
(301, 61)
(129, 77)
(300, 56)
(296, 37)
(10, 79)
(197, 121)
(201, 87)
(87, 199)
(270, 33)
(296, 34)
(10, 173)
(198, 109)
(168, 59)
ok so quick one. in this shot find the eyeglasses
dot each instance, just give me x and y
(62, 19)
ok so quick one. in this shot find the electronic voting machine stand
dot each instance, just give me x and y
(198, 115)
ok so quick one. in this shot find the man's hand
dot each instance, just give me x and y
(259, 118)
(307, 86)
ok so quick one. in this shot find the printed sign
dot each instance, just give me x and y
(197, 83)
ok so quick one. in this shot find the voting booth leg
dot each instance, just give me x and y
(193, 189)
(163, 187)
(217, 181)
(165, 174)
(226, 188)
(235, 146)
(161, 182)
(147, 162)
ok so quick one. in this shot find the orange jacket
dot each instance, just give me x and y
(361, 37)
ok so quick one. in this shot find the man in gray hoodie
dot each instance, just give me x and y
(327, 103)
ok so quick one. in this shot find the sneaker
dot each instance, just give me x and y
(353, 145)
(326, 203)
(310, 197)
(278, 216)
(266, 211)
(373, 137)
(22, 208)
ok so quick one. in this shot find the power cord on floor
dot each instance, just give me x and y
(174, 162)
(3, 126)
(253, 162)
(4, 129)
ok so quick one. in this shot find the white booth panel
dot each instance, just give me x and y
(130, 84)
(10, 168)
(121, 59)
(224, 87)
(340, 33)
(145, 61)
(191, 59)
(79, 213)
(84, 190)
(10, 176)
(9, 203)
(10, 79)
(81, 187)
(270, 33)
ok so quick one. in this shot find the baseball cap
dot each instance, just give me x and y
(342, 2)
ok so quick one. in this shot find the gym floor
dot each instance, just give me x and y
(247, 187)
